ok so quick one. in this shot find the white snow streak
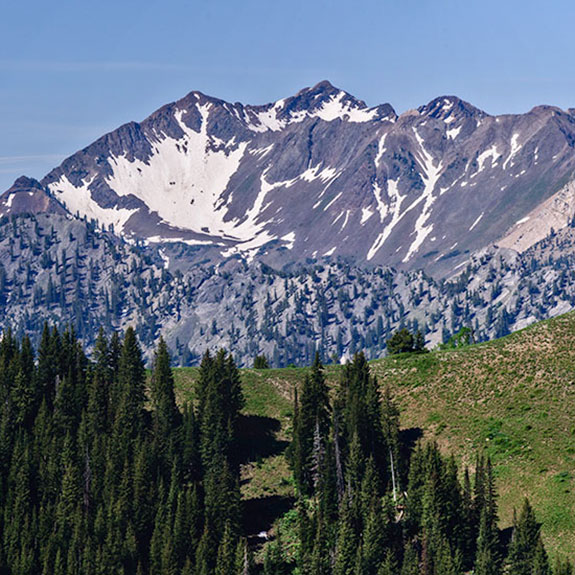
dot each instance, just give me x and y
(262, 152)
(395, 201)
(476, 221)
(333, 201)
(162, 239)
(380, 150)
(515, 147)
(346, 220)
(430, 176)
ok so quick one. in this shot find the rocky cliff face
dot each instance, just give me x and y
(66, 271)
(322, 175)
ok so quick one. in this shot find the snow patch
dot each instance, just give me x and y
(515, 147)
(184, 188)
(482, 158)
(251, 247)
(366, 213)
(289, 239)
(79, 199)
(335, 109)
(268, 120)
(165, 258)
(453, 133)
(325, 175)
(476, 221)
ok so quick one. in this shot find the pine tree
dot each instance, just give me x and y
(524, 542)
(166, 417)
(410, 565)
(99, 387)
(540, 560)
(347, 542)
(311, 428)
(487, 558)
(389, 565)
(129, 422)
(226, 553)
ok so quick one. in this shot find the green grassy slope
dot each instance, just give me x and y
(514, 397)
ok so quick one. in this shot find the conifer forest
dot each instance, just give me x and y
(103, 472)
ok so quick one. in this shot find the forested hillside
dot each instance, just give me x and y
(105, 470)
(69, 272)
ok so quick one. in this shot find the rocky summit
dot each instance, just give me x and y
(322, 175)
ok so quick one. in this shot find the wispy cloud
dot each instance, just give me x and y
(12, 160)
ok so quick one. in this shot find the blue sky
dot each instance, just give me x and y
(71, 71)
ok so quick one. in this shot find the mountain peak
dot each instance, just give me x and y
(24, 183)
(28, 195)
(326, 101)
(449, 106)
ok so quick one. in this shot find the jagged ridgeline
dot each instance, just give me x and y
(69, 272)
(103, 472)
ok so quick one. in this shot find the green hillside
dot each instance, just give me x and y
(514, 397)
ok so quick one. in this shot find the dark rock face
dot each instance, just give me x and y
(322, 175)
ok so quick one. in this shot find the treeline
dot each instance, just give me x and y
(366, 507)
(102, 474)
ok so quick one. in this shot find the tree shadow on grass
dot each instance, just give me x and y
(408, 439)
(257, 438)
(261, 513)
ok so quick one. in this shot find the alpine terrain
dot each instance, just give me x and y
(313, 222)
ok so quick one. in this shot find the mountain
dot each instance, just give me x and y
(312, 223)
(321, 174)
